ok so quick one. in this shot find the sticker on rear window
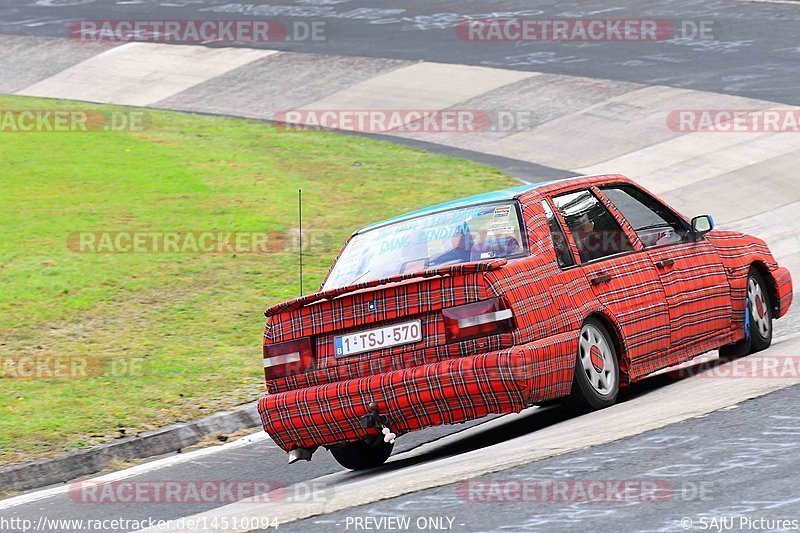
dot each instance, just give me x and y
(501, 230)
(502, 212)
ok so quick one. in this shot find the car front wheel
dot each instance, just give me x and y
(596, 381)
(362, 454)
(759, 311)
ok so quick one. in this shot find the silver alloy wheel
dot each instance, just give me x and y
(597, 359)
(758, 308)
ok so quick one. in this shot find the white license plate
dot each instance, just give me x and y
(378, 338)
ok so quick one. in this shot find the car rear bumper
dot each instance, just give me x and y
(446, 392)
(783, 286)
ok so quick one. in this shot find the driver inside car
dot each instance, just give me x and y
(584, 233)
(461, 251)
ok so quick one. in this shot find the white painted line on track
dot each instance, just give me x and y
(690, 398)
(172, 460)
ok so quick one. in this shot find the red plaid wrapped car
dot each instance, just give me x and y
(561, 290)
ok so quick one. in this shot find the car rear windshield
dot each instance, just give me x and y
(444, 238)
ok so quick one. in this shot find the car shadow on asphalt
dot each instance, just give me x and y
(532, 420)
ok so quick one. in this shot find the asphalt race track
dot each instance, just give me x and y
(716, 447)
(754, 50)
(709, 467)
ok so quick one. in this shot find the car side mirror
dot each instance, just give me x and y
(702, 225)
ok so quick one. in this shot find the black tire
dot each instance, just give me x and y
(584, 397)
(732, 351)
(362, 454)
(759, 340)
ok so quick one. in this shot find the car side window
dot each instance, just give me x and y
(652, 221)
(595, 231)
(560, 244)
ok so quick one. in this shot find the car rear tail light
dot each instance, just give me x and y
(479, 319)
(288, 358)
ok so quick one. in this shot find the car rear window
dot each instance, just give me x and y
(445, 238)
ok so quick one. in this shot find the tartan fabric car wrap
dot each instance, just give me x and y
(695, 285)
(680, 354)
(420, 298)
(739, 252)
(548, 300)
(651, 311)
(446, 392)
(662, 306)
(464, 268)
(535, 286)
(783, 286)
(697, 290)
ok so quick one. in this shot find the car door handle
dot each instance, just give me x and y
(602, 278)
(664, 263)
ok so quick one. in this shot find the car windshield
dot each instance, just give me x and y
(445, 238)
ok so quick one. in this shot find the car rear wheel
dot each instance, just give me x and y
(363, 454)
(596, 381)
(760, 312)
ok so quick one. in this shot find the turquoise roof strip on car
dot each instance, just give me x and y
(485, 198)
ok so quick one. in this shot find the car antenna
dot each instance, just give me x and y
(300, 217)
